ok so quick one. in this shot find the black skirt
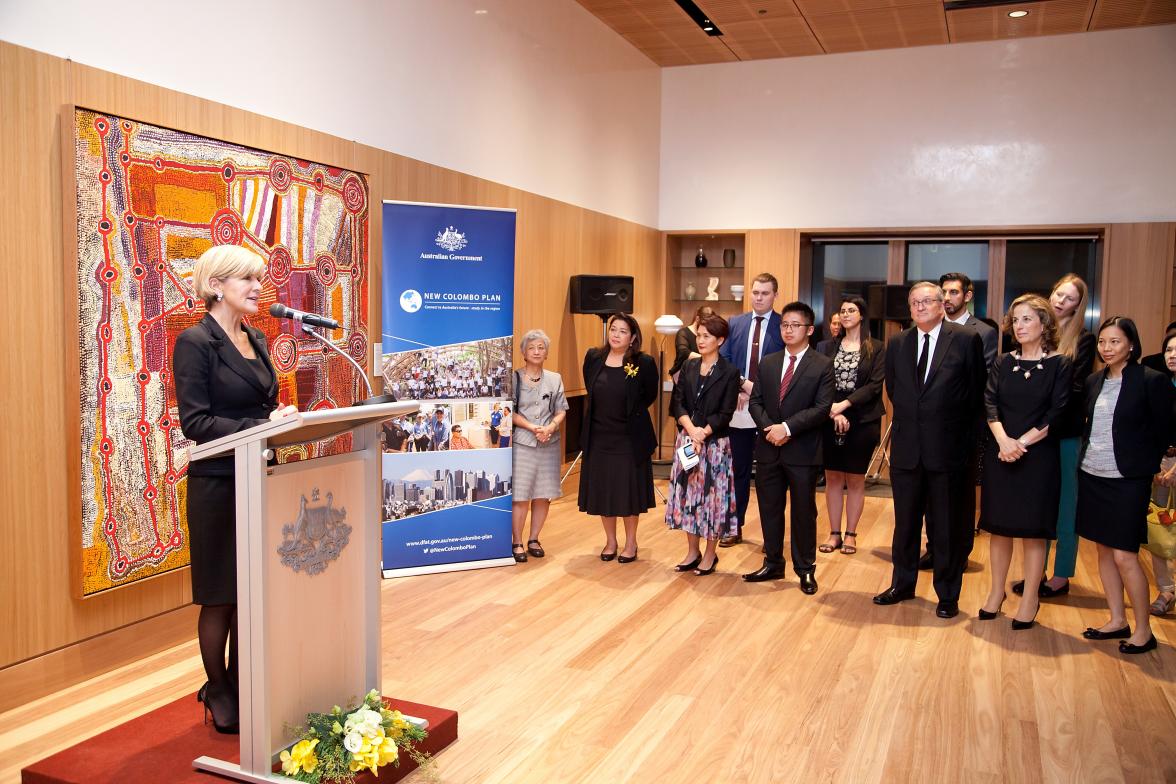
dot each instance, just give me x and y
(852, 457)
(615, 485)
(212, 535)
(1113, 512)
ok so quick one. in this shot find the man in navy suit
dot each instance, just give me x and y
(753, 336)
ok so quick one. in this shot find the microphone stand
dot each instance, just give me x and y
(372, 398)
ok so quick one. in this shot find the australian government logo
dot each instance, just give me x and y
(316, 537)
(452, 240)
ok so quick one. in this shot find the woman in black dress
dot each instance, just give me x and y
(855, 420)
(617, 438)
(1128, 423)
(1068, 298)
(1026, 393)
(225, 383)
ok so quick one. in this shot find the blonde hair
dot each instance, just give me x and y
(1071, 331)
(1045, 314)
(224, 261)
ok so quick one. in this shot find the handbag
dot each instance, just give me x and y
(1161, 533)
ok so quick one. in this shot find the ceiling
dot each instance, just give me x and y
(762, 29)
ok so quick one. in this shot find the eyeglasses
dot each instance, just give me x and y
(924, 303)
(791, 325)
(847, 312)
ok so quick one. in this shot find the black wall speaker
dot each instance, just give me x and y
(888, 302)
(602, 294)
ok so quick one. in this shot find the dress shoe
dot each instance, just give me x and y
(1046, 592)
(628, 558)
(1126, 647)
(686, 567)
(1020, 626)
(763, 574)
(893, 596)
(703, 572)
(517, 552)
(808, 583)
(730, 541)
(222, 707)
(947, 609)
(534, 549)
(985, 615)
(1117, 634)
(926, 562)
(608, 556)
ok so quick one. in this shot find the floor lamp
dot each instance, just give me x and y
(664, 326)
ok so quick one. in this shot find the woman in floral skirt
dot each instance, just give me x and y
(701, 500)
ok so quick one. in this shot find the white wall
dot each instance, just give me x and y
(1059, 129)
(537, 94)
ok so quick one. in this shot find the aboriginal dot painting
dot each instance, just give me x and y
(149, 201)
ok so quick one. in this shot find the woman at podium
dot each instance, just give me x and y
(225, 383)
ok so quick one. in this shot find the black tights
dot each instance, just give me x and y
(215, 628)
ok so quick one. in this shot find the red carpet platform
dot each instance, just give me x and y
(160, 746)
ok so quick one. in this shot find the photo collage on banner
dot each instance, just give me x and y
(448, 321)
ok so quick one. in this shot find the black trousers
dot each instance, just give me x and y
(775, 483)
(742, 459)
(950, 527)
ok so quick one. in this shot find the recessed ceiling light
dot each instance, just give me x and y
(481, 12)
(1017, 14)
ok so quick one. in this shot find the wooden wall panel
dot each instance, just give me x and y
(45, 626)
(1137, 277)
(776, 251)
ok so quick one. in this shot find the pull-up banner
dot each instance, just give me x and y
(448, 321)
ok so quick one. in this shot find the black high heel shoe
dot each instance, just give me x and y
(985, 615)
(711, 570)
(1020, 626)
(628, 558)
(231, 724)
(685, 567)
(203, 691)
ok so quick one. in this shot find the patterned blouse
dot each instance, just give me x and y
(845, 368)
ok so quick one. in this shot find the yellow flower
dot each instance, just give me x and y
(630, 369)
(301, 756)
(337, 728)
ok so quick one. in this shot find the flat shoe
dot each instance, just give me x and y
(537, 550)
(520, 556)
(608, 556)
(1128, 648)
(846, 547)
(1117, 634)
(1161, 606)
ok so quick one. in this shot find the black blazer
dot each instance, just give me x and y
(936, 424)
(1073, 419)
(641, 391)
(866, 399)
(717, 402)
(217, 390)
(1142, 422)
(805, 408)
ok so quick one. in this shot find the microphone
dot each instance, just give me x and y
(278, 310)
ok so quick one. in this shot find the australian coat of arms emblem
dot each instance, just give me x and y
(316, 537)
(451, 239)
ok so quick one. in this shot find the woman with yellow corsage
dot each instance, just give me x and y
(617, 436)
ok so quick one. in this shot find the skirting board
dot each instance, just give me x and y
(34, 678)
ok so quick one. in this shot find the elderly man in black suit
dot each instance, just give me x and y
(790, 404)
(935, 379)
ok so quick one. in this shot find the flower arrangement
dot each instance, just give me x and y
(335, 746)
(631, 369)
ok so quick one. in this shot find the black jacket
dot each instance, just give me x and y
(935, 424)
(1142, 426)
(715, 405)
(866, 399)
(1072, 421)
(641, 392)
(217, 390)
(805, 407)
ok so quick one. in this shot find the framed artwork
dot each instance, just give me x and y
(149, 200)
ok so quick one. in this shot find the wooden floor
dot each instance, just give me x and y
(568, 669)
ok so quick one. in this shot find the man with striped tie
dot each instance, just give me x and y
(790, 405)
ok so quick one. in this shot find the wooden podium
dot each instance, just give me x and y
(308, 568)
